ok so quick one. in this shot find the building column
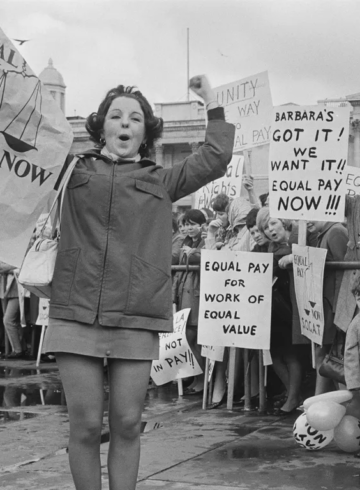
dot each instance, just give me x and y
(159, 154)
(356, 144)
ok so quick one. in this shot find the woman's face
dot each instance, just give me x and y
(124, 127)
(222, 215)
(258, 237)
(181, 227)
(275, 230)
(192, 229)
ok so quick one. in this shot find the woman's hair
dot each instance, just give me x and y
(180, 219)
(153, 125)
(194, 215)
(220, 202)
(175, 225)
(355, 289)
(263, 218)
(251, 218)
(263, 198)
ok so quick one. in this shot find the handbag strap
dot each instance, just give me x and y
(59, 198)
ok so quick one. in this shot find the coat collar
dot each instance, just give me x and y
(96, 153)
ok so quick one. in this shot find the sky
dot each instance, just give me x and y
(309, 48)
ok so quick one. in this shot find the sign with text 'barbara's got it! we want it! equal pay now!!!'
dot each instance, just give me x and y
(307, 162)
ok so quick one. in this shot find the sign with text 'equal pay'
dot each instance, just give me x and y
(308, 154)
(176, 359)
(248, 106)
(235, 299)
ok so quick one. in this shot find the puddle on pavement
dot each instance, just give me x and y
(10, 416)
(14, 396)
(9, 372)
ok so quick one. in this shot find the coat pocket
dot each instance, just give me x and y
(77, 180)
(149, 291)
(65, 268)
(149, 188)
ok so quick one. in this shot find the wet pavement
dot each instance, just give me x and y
(183, 446)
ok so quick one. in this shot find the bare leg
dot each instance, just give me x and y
(128, 382)
(295, 377)
(220, 381)
(83, 382)
(281, 370)
(323, 385)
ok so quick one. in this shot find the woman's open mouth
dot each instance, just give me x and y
(124, 137)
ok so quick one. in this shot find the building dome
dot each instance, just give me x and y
(54, 82)
(51, 76)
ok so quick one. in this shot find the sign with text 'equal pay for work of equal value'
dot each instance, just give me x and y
(35, 139)
(248, 106)
(308, 270)
(176, 359)
(235, 299)
(307, 162)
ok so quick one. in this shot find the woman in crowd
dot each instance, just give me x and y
(238, 239)
(186, 288)
(334, 238)
(111, 291)
(177, 241)
(286, 336)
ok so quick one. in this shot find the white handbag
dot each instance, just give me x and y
(37, 270)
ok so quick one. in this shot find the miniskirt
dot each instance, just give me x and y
(98, 341)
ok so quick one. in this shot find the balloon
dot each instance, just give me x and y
(325, 415)
(308, 437)
(347, 434)
(340, 396)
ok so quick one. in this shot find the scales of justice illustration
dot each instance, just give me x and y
(22, 131)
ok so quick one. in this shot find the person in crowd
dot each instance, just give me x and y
(285, 341)
(237, 239)
(111, 290)
(209, 215)
(261, 242)
(334, 238)
(177, 241)
(181, 224)
(11, 310)
(186, 288)
(352, 355)
(220, 204)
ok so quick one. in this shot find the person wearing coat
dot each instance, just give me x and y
(186, 288)
(334, 238)
(111, 291)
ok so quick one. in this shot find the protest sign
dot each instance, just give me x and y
(213, 352)
(235, 299)
(308, 270)
(230, 184)
(176, 359)
(308, 153)
(248, 106)
(352, 181)
(43, 315)
(35, 138)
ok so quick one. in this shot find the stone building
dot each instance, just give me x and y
(184, 132)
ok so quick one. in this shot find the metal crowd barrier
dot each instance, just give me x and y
(247, 379)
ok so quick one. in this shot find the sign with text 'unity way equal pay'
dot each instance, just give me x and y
(248, 105)
(35, 138)
(235, 299)
(307, 162)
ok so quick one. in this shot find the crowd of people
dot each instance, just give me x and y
(245, 224)
(111, 290)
